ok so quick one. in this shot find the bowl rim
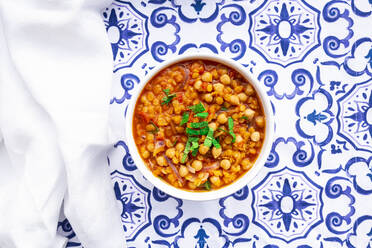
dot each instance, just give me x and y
(204, 195)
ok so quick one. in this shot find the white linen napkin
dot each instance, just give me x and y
(55, 79)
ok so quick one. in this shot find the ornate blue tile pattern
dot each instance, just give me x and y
(284, 32)
(287, 204)
(127, 32)
(313, 59)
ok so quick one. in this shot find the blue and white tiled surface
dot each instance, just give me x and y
(314, 59)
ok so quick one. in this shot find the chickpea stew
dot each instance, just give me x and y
(199, 125)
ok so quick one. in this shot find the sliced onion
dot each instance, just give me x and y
(213, 166)
(174, 169)
(192, 170)
(159, 147)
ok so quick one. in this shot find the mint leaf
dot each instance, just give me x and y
(198, 108)
(185, 118)
(202, 115)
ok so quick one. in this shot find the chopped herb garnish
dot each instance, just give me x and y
(230, 123)
(198, 108)
(203, 131)
(185, 118)
(175, 142)
(190, 131)
(199, 124)
(222, 130)
(223, 109)
(202, 115)
(207, 185)
(186, 151)
(156, 127)
(194, 152)
(168, 98)
(244, 117)
(216, 143)
(209, 138)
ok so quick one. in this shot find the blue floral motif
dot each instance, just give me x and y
(127, 31)
(236, 17)
(360, 60)
(159, 19)
(300, 157)
(64, 228)
(355, 116)
(163, 222)
(360, 169)
(128, 81)
(361, 237)
(135, 201)
(331, 43)
(239, 221)
(192, 10)
(196, 233)
(284, 32)
(362, 8)
(287, 204)
(299, 78)
(128, 162)
(315, 117)
(333, 190)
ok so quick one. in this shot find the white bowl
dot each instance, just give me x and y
(213, 194)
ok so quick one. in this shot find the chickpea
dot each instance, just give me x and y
(180, 129)
(191, 185)
(162, 122)
(207, 77)
(225, 79)
(225, 164)
(246, 164)
(208, 98)
(255, 136)
(219, 100)
(198, 85)
(215, 180)
(177, 119)
(161, 161)
(149, 137)
(249, 90)
(234, 100)
(195, 75)
(249, 113)
(180, 147)
(222, 119)
(156, 102)
(209, 88)
(171, 152)
(260, 121)
(216, 152)
(175, 160)
(228, 140)
(242, 97)
(213, 126)
(183, 171)
(238, 139)
(197, 165)
(203, 149)
(150, 147)
(218, 88)
(144, 99)
(235, 168)
(145, 154)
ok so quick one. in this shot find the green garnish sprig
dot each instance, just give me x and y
(230, 123)
(168, 97)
